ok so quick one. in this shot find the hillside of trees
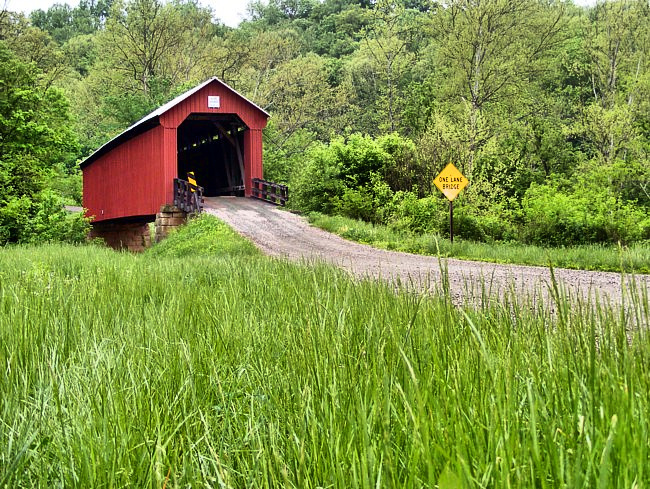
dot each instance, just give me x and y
(543, 105)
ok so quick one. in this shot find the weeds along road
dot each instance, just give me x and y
(282, 234)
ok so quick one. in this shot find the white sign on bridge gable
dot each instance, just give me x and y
(214, 101)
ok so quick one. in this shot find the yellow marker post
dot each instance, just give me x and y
(192, 180)
(450, 182)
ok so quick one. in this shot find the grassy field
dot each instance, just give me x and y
(191, 366)
(635, 258)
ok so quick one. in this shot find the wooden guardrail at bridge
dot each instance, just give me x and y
(187, 196)
(271, 192)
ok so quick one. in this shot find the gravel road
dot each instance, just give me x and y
(282, 234)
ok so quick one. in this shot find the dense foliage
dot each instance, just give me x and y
(544, 106)
(36, 147)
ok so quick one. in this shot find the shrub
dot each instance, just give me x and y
(52, 222)
(484, 214)
(358, 157)
(282, 156)
(340, 177)
(401, 167)
(15, 217)
(552, 217)
(41, 220)
(316, 183)
(384, 201)
(419, 215)
(562, 218)
(356, 204)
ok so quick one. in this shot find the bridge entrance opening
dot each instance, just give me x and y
(212, 146)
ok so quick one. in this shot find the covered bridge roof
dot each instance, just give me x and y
(153, 119)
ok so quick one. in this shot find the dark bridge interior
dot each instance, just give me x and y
(212, 146)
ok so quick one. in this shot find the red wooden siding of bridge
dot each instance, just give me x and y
(132, 175)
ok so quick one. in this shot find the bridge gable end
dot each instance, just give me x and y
(132, 175)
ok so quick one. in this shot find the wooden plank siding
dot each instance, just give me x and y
(252, 159)
(133, 175)
(118, 184)
(231, 103)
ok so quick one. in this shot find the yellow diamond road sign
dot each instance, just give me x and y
(450, 181)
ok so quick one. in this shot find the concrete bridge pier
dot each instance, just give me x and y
(136, 235)
(132, 236)
(170, 217)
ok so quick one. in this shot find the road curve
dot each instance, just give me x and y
(283, 234)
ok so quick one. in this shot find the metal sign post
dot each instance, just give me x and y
(451, 181)
(451, 221)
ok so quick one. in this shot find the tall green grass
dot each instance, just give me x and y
(204, 236)
(236, 371)
(588, 257)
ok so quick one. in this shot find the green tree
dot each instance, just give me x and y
(57, 21)
(619, 49)
(147, 53)
(32, 45)
(379, 71)
(151, 47)
(268, 51)
(336, 29)
(227, 56)
(277, 11)
(35, 139)
(63, 22)
(34, 118)
(492, 48)
(300, 97)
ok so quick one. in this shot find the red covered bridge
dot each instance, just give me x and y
(210, 130)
